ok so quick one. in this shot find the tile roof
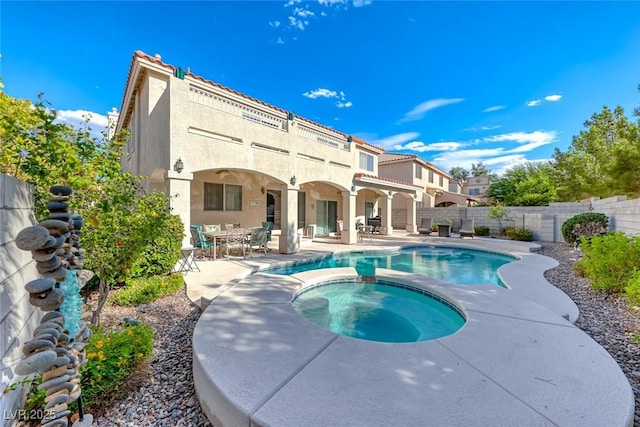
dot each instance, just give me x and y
(389, 180)
(138, 54)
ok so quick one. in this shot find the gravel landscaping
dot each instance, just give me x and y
(163, 395)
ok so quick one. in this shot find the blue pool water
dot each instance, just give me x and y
(453, 265)
(382, 311)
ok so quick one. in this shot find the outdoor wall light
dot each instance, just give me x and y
(178, 166)
(290, 116)
(350, 139)
(353, 188)
(292, 181)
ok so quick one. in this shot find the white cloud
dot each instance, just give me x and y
(274, 24)
(292, 2)
(537, 137)
(321, 93)
(533, 103)
(552, 98)
(419, 111)
(361, 3)
(303, 13)
(483, 128)
(297, 23)
(391, 141)
(421, 147)
(494, 108)
(326, 93)
(97, 122)
(280, 40)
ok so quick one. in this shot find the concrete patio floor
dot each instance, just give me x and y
(518, 360)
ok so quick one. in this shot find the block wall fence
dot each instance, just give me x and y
(544, 221)
(18, 318)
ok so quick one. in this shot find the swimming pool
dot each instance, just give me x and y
(454, 265)
(383, 311)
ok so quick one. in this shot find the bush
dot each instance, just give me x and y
(144, 290)
(632, 289)
(481, 230)
(585, 224)
(609, 261)
(522, 234)
(112, 356)
(162, 250)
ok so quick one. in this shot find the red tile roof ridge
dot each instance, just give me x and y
(381, 178)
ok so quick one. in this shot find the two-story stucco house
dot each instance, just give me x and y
(477, 187)
(225, 157)
(439, 188)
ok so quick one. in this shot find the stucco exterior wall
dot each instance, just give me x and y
(18, 318)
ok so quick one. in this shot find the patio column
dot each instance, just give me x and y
(349, 234)
(178, 187)
(386, 203)
(289, 237)
(411, 216)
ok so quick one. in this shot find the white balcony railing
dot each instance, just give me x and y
(323, 138)
(228, 106)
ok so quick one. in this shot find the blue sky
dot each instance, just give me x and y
(453, 82)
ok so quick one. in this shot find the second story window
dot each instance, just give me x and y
(431, 177)
(366, 162)
(474, 191)
(418, 171)
(441, 181)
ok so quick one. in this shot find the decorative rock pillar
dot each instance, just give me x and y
(57, 349)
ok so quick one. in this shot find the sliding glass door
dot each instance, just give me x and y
(327, 217)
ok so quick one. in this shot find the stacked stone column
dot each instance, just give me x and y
(57, 348)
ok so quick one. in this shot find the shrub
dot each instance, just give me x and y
(112, 356)
(522, 234)
(632, 289)
(164, 239)
(143, 290)
(585, 224)
(481, 230)
(609, 261)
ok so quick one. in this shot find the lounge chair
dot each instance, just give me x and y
(467, 228)
(426, 226)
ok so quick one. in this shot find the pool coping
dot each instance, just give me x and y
(257, 362)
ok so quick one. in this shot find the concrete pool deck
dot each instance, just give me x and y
(516, 361)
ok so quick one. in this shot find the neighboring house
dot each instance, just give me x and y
(440, 188)
(476, 187)
(225, 157)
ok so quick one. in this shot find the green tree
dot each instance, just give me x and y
(500, 213)
(459, 173)
(528, 184)
(121, 219)
(597, 155)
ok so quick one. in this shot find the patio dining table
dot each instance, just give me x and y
(220, 237)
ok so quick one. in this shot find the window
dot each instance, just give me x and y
(441, 181)
(222, 197)
(431, 177)
(418, 171)
(366, 162)
(474, 191)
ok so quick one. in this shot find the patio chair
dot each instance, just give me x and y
(426, 226)
(258, 240)
(200, 241)
(467, 228)
(235, 241)
(269, 226)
